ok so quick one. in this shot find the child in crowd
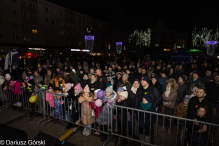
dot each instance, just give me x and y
(17, 92)
(196, 131)
(96, 110)
(76, 106)
(108, 103)
(122, 114)
(194, 91)
(29, 91)
(86, 112)
(145, 119)
(58, 106)
(39, 92)
(182, 110)
(50, 99)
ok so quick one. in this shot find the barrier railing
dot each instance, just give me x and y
(61, 106)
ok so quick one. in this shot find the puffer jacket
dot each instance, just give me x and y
(50, 99)
(16, 89)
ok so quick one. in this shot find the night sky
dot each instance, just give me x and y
(179, 16)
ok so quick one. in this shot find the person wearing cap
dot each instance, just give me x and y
(154, 82)
(119, 69)
(108, 104)
(182, 110)
(110, 75)
(122, 114)
(125, 83)
(163, 80)
(182, 89)
(143, 73)
(86, 112)
(180, 71)
(146, 119)
(6, 82)
(158, 70)
(196, 80)
(70, 76)
(171, 74)
(208, 78)
(129, 72)
(145, 88)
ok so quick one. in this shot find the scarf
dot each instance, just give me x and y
(57, 83)
(184, 104)
(146, 106)
(93, 82)
(134, 90)
(167, 92)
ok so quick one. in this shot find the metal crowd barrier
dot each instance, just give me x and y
(50, 110)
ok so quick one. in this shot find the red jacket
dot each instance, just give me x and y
(97, 110)
(16, 88)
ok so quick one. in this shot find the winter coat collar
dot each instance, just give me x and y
(113, 96)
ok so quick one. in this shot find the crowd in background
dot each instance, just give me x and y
(187, 90)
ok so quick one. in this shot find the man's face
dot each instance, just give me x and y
(79, 67)
(98, 72)
(200, 93)
(119, 68)
(208, 73)
(195, 76)
(158, 67)
(143, 71)
(180, 80)
(144, 83)
(216, 78)
(163, 75)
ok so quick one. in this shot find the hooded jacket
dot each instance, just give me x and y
(127, 84)
(108, 108)
(71, 76)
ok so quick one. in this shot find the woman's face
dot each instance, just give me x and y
(93, 78)
(136, 84)
(110, 69)
(118, 76)
(171, 70)
(60, 79)
(81, 72)
(139, 71)
(108, 94)
(49, 73)
(91, 71)
(124, 79)
(121, 97)
(153, 81)
(106, 67)
(168, 85)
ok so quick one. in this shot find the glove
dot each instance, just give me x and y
(104, 103)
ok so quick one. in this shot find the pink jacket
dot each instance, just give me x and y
(50, 99)
(16, 88)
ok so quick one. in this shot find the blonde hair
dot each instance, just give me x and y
(90, 93)
(172, 82)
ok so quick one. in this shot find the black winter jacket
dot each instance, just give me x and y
(84, 83)
(122, 112)
(102, 82)
(155, 97)
(213, 92)
(182, 92)
(94, 86)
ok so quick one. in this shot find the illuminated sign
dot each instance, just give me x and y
(194, 50)
(36, 49)
(166, 49)
(80, 50)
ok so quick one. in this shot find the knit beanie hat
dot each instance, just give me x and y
(86, 89)
(42, 83)
(147, 97)
(109, 89)
(120, 89)
(183, 77)
(109, 85)
(187, 98)
(96, 90)
(155, 76)
(39, 66)
(125, 76)
(78, 87)
(7, 76)
(198, 73)
(31, 82)
(68, 70)
(124, 94)
(145, 78)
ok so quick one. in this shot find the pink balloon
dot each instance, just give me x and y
(98, 103)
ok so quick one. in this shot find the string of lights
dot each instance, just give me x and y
(141, 37)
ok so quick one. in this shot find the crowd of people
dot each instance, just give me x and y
(173, 88)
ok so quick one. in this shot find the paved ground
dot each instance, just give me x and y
(18, 119)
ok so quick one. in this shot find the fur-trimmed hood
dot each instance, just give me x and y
(113, 96)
